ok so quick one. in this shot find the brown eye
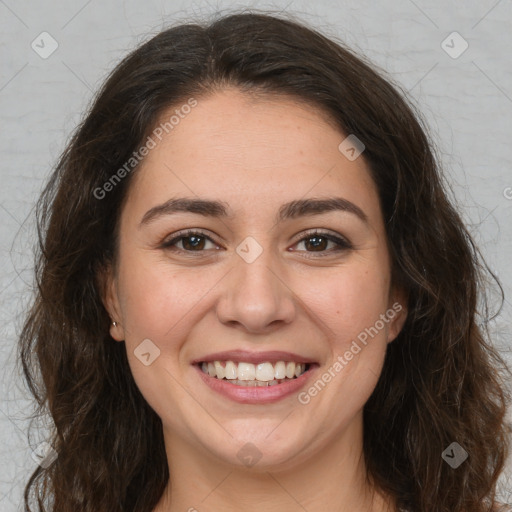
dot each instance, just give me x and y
(191, 241)
(319, 242)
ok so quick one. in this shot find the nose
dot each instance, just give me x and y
(255, 296)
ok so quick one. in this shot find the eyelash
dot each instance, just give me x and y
(343, 244)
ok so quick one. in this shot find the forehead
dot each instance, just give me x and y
(250, 150)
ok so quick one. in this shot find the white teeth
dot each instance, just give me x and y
(247, 372)
(254, 383)
(280, 370)
(265, 372)
(230, 370)
(221, 373)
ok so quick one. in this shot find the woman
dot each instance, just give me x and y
(253, 292)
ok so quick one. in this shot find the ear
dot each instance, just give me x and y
(397, 312)
(107, 285)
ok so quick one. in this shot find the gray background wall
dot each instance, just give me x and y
(466, 98)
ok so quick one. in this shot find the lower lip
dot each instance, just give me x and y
(256, 394)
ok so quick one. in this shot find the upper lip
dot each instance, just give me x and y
(272, 356)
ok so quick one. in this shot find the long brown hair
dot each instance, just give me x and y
(442, 380)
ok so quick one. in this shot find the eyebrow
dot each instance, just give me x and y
(219, 209)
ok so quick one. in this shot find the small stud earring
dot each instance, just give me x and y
(114, 324)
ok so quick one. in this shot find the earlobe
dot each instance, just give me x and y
(397, 324)
(109, 295)
(398, 314)
(116, 331)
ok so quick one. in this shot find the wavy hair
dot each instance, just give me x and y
(442, 381)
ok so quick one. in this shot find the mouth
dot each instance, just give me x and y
(255, 378)
(252, 375)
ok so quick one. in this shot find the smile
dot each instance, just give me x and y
(256, 378)
(249, 374)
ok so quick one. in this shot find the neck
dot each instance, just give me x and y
(334, 479)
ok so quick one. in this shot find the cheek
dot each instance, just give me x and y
(157, 300)
(157, 305)
(349, 299)
(349, 303)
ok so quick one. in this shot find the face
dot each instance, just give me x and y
(263, 283)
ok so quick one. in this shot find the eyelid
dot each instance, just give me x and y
(343, 243)
(184, 234)
(332, 235)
